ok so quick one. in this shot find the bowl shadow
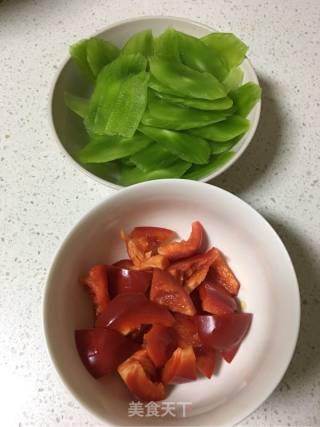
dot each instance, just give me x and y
(255, 161)
(305, 363)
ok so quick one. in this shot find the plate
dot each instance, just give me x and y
(68, 128)
(255, 253)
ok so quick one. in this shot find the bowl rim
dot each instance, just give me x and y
(250, 408)
(250, 134)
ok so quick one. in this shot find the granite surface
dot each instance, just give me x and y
(43, 195)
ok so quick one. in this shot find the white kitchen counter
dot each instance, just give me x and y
(43, 195)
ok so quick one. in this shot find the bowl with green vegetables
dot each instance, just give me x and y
(155, 98)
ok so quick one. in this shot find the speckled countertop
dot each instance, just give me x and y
(42, 195)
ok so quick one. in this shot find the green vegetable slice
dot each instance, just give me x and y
(163, 114)
(197, 55)
(78, 52)
(104, 149)
(245, 98)
(108, 171)
(107, 89)
(223, 131)
(155, 85)
(139, 43)
(233, 79)
(185, 80)
(129, 106)
(126, 161)
(221, 147)
(197, 172)
(76, 104)
(166, 45)
(100, 53)
(228, 46)
(129, 176)
(187, 147)
(199, 104)
(153, 157)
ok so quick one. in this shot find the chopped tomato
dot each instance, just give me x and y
(229, 355)
(97, 283)
(122, 281)
(124, 263)
(214, 301)
(181, 367)
(138, 381)
(187, 330)
(102, 350)
(167, 291)
(223, 332)
(206, 360)
(192, 271)
(222, 275)
(160, 342)
(184, 248)
(127, 312)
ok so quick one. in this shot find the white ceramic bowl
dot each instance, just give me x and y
(68, 128)
(257, 256)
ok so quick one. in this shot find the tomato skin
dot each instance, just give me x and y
(215, 301)
(206, 360)
(221, 273)
(193, 271)
(184, 248)
(160, 342)
(166, 290)
(186, 328)
(97, 282)
(136, 373)
(102, 350)
(123, 281)
(127, 312)
(223, 332)
(181, 367)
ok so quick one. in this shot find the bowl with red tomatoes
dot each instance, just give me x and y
(172, 302)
